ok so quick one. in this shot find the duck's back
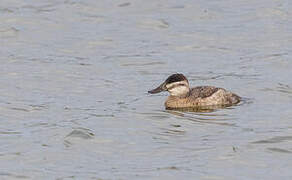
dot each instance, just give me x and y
(210, 95)
(203, 91)
(204, 96)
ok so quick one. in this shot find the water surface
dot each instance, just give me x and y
(75, 74)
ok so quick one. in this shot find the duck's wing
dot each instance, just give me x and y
(203, 91)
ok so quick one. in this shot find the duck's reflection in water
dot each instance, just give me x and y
(205, 114)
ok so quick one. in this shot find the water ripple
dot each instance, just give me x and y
(277, 139)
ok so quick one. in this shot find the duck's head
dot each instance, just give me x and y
(175, 84)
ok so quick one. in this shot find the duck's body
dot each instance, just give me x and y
(181, 96)
(203, 96)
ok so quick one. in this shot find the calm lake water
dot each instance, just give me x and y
(75, 74)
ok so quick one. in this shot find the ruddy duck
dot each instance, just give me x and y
(181, 96)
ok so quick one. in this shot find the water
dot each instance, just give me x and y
(74, 78)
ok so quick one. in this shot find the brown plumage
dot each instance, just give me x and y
(181, 96)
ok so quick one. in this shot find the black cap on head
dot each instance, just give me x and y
(175, 78)
(171, 79)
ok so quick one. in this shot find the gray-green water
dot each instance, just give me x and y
(74, 78)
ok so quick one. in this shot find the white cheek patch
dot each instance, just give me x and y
(178, 91)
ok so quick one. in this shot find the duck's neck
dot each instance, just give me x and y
(185, 95)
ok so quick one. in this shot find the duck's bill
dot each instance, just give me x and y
(158, 89)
